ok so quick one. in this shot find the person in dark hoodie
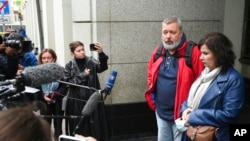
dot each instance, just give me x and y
(82, 70)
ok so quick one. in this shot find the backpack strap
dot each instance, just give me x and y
(188, 53)
(158, 53)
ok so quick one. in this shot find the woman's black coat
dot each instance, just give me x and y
(94, 125)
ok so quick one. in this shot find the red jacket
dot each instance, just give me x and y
(185, 77)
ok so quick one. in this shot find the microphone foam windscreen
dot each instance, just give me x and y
(91, 104)
(42, 74)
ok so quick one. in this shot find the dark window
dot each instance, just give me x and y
(245, 51)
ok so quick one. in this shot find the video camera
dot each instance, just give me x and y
(17, 42)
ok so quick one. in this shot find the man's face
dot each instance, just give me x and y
(171, 35)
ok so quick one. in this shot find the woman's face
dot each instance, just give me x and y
(207, 57)
(79, 52)
(47, 58)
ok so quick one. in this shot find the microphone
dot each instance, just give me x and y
(38, 75)
(111, 81)
(92, 103)
(42, 74)
(89, 107)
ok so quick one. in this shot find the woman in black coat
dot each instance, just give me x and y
(82, 70)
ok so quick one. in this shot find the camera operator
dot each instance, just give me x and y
(24, 50)
(12, 48)
(8, 60)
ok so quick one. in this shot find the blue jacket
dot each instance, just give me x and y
(28, 59)
(221, 104)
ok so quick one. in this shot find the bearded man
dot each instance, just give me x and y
(169, 78)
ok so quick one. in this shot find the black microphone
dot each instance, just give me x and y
(92, 103)
(38, 75)
(111, 81)
(89, 107)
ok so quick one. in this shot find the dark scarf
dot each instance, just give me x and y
(81, 63)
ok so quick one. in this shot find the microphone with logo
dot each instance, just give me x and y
(110, 83)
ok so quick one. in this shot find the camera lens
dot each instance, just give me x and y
(15, 44)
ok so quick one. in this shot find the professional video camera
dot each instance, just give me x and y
(25, 46)
(17, 42)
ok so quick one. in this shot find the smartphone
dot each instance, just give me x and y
(69, 138)
(92, 47)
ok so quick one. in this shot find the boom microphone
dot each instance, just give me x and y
(89, 107)
(38, 75)
(42, 74)
(92, 103)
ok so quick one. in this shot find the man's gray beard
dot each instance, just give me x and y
(170, 47)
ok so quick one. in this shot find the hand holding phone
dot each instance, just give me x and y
(92, 47)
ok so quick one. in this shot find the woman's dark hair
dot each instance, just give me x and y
(221, 46)
(21, 124)
(73, 45)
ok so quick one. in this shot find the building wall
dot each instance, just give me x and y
(130, 29)
(234, 16)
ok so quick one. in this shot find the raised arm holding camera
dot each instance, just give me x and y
(83, 70)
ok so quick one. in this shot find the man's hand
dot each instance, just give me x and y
(9, 51)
